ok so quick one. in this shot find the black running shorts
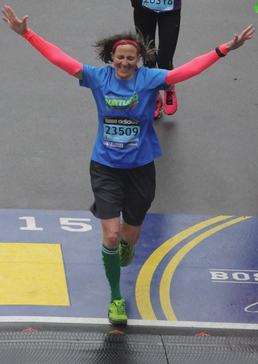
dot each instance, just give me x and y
(130, 191)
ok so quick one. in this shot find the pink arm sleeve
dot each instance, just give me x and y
(194, 67)
(53, 54)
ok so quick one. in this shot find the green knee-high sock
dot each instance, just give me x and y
(111, 261)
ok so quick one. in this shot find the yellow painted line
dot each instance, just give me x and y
(143, 283)
(171, 267)
(32, 274)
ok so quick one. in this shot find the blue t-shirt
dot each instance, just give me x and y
(126, 137)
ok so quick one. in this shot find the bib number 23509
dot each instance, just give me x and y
(121, 133)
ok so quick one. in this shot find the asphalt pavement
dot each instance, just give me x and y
(48, 123)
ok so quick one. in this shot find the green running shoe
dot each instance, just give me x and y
(126, 253)
(116, 312)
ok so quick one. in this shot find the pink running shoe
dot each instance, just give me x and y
(170, 101)
(159, 107)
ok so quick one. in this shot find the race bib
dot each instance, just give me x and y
(120, 133)
(159, 5)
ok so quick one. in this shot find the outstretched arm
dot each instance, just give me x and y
(48, 50)
(201, 63)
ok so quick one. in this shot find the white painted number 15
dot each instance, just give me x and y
(67, 223)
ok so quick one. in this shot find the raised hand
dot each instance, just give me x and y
(238, 41)
(17, 25)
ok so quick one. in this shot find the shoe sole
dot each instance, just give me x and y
(127, 263)
(170, 113)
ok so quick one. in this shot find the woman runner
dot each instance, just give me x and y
(122, 164)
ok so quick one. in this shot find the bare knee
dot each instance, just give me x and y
(112, 239)
(111, 233)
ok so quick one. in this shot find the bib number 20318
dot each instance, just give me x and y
(159, 2)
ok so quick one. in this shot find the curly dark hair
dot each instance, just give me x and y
(104, 46)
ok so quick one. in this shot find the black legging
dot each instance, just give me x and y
(168, 30)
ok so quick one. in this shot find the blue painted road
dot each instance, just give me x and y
(186, 268)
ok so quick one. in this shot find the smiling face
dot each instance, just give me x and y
(125, 59)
